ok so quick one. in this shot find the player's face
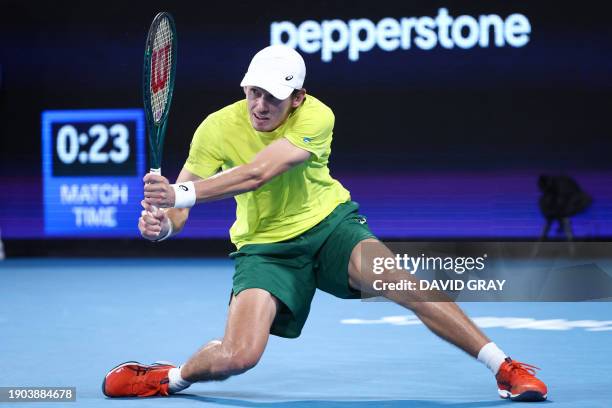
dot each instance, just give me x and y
(265, 111)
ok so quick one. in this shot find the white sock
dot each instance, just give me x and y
(491, 356)
(177, 383)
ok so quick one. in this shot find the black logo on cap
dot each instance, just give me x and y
(288, 77)
(183, 187)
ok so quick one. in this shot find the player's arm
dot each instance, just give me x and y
(162, 223)
(275, 159)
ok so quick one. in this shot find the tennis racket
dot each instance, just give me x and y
(158, 83)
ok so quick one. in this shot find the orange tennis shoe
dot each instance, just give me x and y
(518, 382)
(132, 379)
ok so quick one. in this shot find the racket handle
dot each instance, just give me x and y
(157, 172)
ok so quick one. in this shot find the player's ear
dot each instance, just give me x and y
(297, 97)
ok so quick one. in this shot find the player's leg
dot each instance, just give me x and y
(445, 318)
(250, 317)
(274, 284)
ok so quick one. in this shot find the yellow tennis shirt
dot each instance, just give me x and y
(292, 202)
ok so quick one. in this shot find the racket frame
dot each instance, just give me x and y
(157, 128)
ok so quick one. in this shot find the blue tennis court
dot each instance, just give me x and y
(66, 322)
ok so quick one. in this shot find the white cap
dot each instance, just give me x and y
(278, 69)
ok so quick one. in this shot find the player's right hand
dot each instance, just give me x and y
(153, 222)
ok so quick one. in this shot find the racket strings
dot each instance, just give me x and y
(161, 65)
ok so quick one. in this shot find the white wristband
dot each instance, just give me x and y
(184, 194)
(168, 234)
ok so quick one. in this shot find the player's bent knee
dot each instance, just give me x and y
(243, 360)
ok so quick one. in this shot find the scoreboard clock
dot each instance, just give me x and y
(93, 165)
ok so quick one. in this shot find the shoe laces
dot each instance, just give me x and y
(522, 369)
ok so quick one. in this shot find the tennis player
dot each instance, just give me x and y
(296, 231)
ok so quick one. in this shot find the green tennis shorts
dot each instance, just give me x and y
(292, 270)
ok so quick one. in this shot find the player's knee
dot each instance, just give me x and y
(243, 359)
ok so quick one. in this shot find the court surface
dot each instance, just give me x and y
(66, 322)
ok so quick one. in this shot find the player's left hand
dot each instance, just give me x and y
(158, 191)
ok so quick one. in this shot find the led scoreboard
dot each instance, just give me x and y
(93, 164)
